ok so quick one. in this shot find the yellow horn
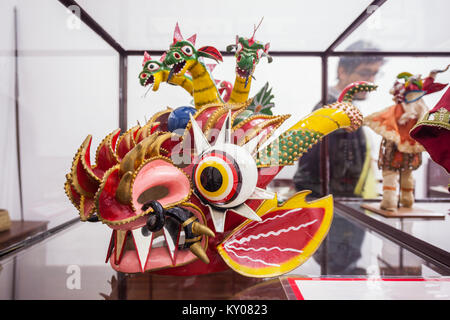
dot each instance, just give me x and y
(131, 160)
(330, 118)
(196, 248)
(199, 229)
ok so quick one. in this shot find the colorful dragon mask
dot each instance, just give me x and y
(195, 200)
(155, 71)
(248, 53)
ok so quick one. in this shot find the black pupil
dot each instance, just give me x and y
(211, 179)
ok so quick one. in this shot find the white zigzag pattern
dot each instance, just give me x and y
(263, 249)
(271, 233)
(255, 260)
(270, 219)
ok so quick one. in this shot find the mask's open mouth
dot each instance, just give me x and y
(140, 250)
(243, 73)
(149, 80)
(179, 66)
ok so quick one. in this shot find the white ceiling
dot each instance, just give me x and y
(407, 25)
(289, 25)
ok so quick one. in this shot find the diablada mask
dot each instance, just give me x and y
(179, 217)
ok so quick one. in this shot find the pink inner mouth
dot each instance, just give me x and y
(158, 258)
(172, 187)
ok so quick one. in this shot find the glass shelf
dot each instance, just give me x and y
(49, 269)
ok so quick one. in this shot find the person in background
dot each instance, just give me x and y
(349, 163)
(348, 151)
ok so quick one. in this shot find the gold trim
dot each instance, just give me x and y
(73, 170)
(69, 194)
(128, 133)
(108, 139)
(100, 190)
(191, 219)
(160, 113)
(193, 239)
(216, 115)
(197, 114)
(255, 131)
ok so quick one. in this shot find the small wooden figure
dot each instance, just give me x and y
(399, 153)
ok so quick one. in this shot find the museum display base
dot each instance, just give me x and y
(414, 212)
(19, 231)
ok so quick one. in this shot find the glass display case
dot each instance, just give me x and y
(70, 68)
(71, 264)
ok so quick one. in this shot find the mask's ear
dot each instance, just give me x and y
(210, 52)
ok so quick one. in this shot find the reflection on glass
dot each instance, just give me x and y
(406, 25)
(349, 152)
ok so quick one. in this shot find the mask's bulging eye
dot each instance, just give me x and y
(217, 177)
(225, 178)
(187, 50)
(152, 66)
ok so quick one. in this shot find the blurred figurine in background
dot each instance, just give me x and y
(399, 153)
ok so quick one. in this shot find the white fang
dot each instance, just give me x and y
(142, 245)
(171, 245)
(218, 218)
(246, 212)
(201, 143)
(224, 135)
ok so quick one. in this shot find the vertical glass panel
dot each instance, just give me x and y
(68, 83)
(9, 177)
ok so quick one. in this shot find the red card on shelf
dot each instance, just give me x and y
(370, 288)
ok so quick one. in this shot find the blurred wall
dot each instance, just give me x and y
(68, 88)
(9, 183)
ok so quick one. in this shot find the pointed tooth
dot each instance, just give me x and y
(172, 237)
(143, 245)
(262, 194)
(201, 143)
(110, 247)
(196, 248)
(199, 229)
(246, 212)
(121, 237)
(218, 218)
(224, 135)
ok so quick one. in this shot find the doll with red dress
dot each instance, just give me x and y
(399, 153)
